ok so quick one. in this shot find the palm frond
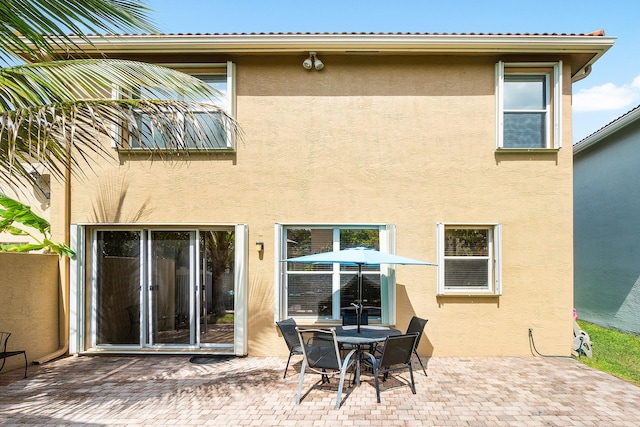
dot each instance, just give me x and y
(51, 110)
(37, 27)
(67, 136)
(18, 213)
(69, 81)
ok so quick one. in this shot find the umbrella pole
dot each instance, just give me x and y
(359, 316)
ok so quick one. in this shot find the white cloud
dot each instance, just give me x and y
(607, 97)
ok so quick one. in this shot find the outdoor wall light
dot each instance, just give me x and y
(313, 62)
(260, 246)
(41, 184)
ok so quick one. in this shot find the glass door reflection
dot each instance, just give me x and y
(217, 286)
(170, 287)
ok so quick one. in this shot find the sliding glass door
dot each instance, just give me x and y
(217, 308)
(116, 287)
(170, 286)
(163, 288)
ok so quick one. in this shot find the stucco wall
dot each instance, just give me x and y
(29, 289)
(607, 231)
(404, 140)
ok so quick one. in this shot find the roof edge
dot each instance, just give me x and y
(607, 130)
(327, 43)
(595, 44)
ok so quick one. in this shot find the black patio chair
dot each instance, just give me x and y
(288, 329)
(4, 338)
(416, 326)
(396, 355)
(350, 317)
(322, 356)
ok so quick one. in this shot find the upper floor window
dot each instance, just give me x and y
(528, 97)
(469, 259)
(202, 128)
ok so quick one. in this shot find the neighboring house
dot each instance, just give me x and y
(607, 224)
(452, 149)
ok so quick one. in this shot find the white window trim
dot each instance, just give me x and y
(495, 287)
(553, 136)
(230, 68)
(241, 294)
(387, 272)
(76, 289)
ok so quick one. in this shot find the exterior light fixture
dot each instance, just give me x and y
(41, 184)
(260, 246)
(313, 62)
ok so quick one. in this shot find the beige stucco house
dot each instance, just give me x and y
(454, 149)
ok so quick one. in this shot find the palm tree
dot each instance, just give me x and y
(56, 112)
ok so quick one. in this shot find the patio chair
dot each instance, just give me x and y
(416, 326)
(322, 356)
(4, 337)
(350, 317)
(396, 355)
(288, 329)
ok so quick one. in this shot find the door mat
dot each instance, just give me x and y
(207, 360)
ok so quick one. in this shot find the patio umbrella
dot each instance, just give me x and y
(357, 256)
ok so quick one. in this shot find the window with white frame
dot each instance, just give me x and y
(319, 292)
(528, 98)
(469, 260)
(204, 129)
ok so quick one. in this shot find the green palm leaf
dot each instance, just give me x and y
(14, 231)
(20, 213)
(15, 212)
(57, 114)
(68, 81)
(48, 247)
(37, 28)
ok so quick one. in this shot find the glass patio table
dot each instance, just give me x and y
(363, 340)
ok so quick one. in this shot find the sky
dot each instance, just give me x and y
(612, 88)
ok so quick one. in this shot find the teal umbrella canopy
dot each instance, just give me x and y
(357, 256)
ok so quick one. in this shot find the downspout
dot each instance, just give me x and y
(585, 73)
(63, 310)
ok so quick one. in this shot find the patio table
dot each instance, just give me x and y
(364, 339)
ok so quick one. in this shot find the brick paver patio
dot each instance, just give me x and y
(169, 390)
